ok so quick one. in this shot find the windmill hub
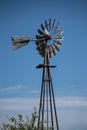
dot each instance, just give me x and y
(47, 37)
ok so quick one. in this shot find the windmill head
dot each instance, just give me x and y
(49, 37)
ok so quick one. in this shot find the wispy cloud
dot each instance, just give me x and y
(20, 87)
(18, 103)
(73, 86)
(10, 89)
(72, 101)
(29, 103)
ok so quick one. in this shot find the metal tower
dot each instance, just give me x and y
(48, 42)
(47, 108)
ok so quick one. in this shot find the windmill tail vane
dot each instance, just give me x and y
(19, 41)
(48, 42)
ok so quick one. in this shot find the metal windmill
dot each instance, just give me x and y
(48, 42)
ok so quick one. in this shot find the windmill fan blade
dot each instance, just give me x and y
(39, 37)
(46, 24)
(57, 24)
(40, 32)
(61, 33)
(40, 45)
(53, 24)
(58, 44)
(54, 50)
(41, 49)
(46, 32)
(39, 42)
(49, 24)
(58, 39)
(56, 30)
(42, 27)
(19, 41)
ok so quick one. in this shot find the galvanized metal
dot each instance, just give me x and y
(49, 33)
(19, 41)
(47, 107)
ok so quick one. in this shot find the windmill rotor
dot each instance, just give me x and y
(49, 37)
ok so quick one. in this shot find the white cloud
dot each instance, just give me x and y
(10, 89)
(18, 88)
(71, 101)
(29, 103)
(18, 104)
(73, 86)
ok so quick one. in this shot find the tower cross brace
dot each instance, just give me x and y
(47, 117)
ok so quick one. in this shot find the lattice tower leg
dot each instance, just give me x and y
(47, 117)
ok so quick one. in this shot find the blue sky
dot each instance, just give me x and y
(20, 81)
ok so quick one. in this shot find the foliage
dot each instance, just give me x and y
(20, 123)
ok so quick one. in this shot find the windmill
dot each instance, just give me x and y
(48, 42)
